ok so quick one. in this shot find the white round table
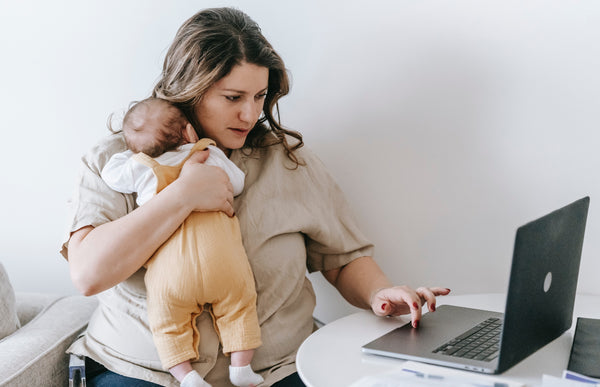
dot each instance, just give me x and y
(332, 355)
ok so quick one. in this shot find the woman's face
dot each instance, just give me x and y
(231, 107)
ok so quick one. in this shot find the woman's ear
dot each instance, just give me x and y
(190, 134)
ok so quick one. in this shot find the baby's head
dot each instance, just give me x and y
(155, 126)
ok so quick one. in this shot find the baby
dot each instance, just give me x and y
(182, 278)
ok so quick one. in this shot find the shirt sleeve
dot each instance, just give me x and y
(333, 237)
(93, 202)
(118, 173)
(236, 175)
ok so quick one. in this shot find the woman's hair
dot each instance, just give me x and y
(206, 48)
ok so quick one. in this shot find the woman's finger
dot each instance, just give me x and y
(198, 157)
(399, 300)
(427, 296)
(396, 301)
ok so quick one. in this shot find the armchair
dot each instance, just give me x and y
(34, 354)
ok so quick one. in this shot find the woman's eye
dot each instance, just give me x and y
(261, 96)
(232, 98)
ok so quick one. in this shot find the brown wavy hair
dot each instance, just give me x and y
(205, 49)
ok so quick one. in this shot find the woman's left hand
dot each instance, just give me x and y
(399, 300)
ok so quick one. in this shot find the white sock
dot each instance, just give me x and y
(244, 376)
(193, 379)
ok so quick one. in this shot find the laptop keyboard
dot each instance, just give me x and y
(478, 343)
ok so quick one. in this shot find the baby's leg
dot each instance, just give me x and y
(172, 322)
(240, 372)
(242, 358)
(240, 334)
(187, 376)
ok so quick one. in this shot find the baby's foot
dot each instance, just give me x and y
(193, 379)
(244, 376)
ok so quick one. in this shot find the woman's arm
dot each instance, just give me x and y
(102, 257)
(363, 284)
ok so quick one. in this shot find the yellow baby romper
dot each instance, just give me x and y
(203, 262)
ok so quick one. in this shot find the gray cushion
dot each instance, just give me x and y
(9, 321)
(35, 354)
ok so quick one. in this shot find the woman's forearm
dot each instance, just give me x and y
(364, 285)
(102, 257)
(358, 280)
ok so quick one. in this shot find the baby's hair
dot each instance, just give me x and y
(111, 118)
(169, 137)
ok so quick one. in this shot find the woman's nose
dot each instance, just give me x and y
(249, 112)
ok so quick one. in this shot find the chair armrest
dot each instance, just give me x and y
(35, 354)
(30, 304)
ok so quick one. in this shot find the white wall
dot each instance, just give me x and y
(448, 124)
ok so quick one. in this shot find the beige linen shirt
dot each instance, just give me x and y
(291, 220)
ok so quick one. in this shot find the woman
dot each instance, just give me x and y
(227, 78)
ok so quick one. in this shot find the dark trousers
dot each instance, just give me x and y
(98, 376)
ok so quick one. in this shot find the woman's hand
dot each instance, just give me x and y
(399, 300)
(357, 279)
(204, 187)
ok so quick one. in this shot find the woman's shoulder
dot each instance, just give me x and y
(274, 161)
(97, 157)
(271, 172)
(303, 154)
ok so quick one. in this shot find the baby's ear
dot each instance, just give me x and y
(190, 134)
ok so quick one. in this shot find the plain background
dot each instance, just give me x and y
(447, 123)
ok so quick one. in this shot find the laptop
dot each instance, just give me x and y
(539, 304)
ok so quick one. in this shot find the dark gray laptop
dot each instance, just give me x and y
(539, 304)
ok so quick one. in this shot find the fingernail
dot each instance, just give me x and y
(383, 306)
(415, 305)
(416, 324)
(433, 307)
(448, 290)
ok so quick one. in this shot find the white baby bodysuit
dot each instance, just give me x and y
(126, 175)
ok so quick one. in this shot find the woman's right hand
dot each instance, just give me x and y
(204, 187)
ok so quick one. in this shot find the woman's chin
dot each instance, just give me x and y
(234, 143)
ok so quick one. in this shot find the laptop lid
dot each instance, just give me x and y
(543, 282)
(539, 304)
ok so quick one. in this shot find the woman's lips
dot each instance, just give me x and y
(240, 130)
